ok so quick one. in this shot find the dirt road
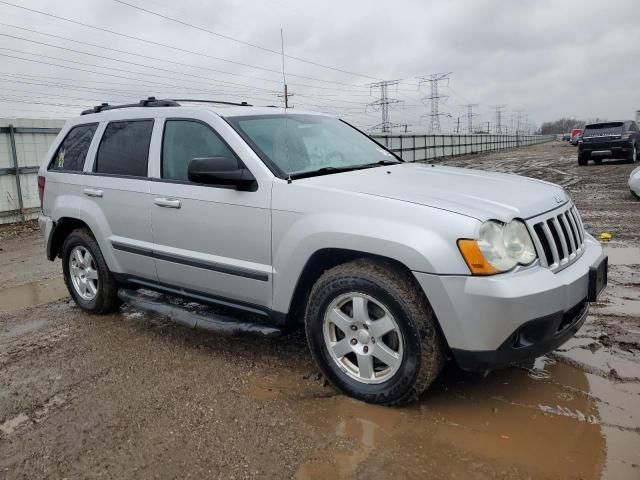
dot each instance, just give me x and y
(132, 396)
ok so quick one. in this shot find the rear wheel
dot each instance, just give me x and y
(86, 274)
(373, 332)
(583, 159)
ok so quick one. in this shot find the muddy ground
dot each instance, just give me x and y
(133, 396)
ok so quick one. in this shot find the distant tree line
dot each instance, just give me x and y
(565, 125)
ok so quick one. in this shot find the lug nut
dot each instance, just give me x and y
(373, 340)
(365, 349)
(353, 327)
(353, 341)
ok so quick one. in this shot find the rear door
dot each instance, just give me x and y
(64, 171)
(208, 239)
(116, 190)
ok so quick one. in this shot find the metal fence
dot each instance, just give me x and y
(417, 148)
(24, 142)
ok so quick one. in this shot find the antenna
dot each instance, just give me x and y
(286, 94)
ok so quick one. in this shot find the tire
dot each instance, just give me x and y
(583, 159)
(98, 293)
(388, 292)
(597, 161)
(633, 154)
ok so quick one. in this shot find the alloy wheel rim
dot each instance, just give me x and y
(363, 338)
(83, 272)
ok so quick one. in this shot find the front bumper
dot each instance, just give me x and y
(493, 321)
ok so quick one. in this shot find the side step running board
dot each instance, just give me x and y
(213, 322)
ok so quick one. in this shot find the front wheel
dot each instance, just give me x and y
(86, 274)
(633, 154)
(373, 333)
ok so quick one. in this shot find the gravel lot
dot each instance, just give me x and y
(133, 396)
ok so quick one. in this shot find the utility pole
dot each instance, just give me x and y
(434, 99)
(470, 115)
(383, 104)
(499, 111)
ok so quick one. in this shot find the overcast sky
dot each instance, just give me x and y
(545, 58)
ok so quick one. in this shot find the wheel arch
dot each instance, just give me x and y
(61, 230)
(321, 261)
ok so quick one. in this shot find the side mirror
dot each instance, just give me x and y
(221, 171)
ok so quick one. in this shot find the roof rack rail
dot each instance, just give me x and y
(219, 102)
(149, 102)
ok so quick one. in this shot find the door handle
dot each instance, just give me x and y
(167, 202)
(91, 192)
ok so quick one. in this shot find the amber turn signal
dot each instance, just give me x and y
(474, 258)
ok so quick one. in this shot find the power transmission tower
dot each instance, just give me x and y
(470, 115)
(499, 111)
(383, 104)
(434, 80)
(519, 121)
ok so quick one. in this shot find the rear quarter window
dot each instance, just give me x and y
(72, 152)
(124, 148)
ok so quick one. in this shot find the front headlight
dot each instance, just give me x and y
(499, 247)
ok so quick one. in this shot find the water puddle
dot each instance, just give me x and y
(544, 420)
(623, 255)
(30, 294)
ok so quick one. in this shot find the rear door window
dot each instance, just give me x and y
(185, 140)
(124, 148)
(72, 152)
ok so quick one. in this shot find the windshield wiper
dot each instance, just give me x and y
(323, 171)
(330, 170)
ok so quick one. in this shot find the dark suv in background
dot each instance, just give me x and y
(609, 140)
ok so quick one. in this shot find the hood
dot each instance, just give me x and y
(478, 194)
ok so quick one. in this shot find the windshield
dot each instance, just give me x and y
(297, 144)
(608, 128)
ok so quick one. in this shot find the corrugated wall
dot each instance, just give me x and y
(32, 138)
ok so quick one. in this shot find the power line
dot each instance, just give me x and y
(383, 104)
(164, 45)
(140, 73)
(434, 98)
(99, 73)
(141, 56)
(243, 42)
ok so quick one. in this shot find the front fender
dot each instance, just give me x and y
(422, 239)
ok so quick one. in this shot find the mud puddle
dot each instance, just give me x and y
(30, 294)
(549, 420)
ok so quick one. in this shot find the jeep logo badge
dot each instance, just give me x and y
(558, 198)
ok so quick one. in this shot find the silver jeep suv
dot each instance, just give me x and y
(292, 218)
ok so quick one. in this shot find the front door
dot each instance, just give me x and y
(207, 239)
